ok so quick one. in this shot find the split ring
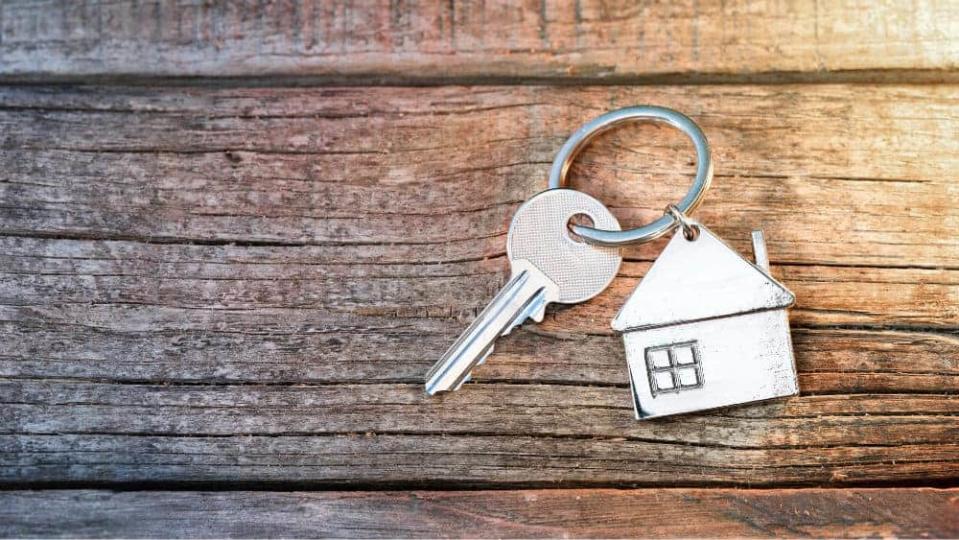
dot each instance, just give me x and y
(651, 231)
(690, 229)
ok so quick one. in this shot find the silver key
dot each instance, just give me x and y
(548, 265)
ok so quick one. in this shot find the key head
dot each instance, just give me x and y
(539, 235)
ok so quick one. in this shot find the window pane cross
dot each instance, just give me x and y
(673, 368)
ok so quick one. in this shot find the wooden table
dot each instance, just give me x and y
(234, 236)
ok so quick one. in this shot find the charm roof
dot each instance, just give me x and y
(696, 280)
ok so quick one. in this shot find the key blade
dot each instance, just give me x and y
(526, 286)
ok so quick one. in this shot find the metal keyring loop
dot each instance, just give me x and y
(651, 231)
(690, 229)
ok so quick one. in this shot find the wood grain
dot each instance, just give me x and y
(650, 513)
(516, 41)
(247, 285)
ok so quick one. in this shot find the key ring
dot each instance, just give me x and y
(651, 231)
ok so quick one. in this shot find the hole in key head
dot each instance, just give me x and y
(578, 219)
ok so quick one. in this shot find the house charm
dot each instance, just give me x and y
(707, 328)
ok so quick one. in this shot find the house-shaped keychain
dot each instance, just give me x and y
(707, 328)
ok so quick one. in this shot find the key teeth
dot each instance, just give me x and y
(482, 361)
(464, 381)
(469, 375)
(535, 310)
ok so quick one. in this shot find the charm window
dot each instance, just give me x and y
(674, 368)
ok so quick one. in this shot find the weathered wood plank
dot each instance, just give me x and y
(349, 460)
(650, 513)
(389, 173)
(58, 274)
(474, 40)
(273, 346)
(77, 308)
(497, 434)
(41, 407)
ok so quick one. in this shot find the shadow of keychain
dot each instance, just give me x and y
(705, 328)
